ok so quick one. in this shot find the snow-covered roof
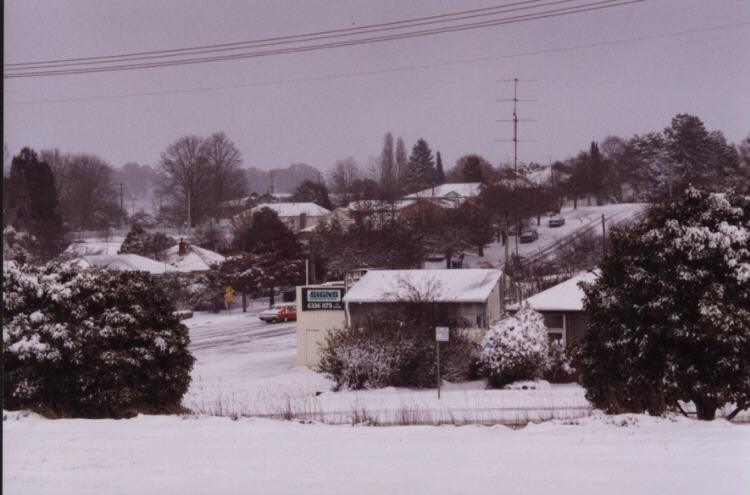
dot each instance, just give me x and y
(449, 190)
(197, 259)
(294, 209)
(566, 296)
(124, 262)
(460, 285)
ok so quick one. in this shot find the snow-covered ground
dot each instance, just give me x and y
(155, 455)
(244, 365)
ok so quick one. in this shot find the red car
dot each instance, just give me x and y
(279, 312)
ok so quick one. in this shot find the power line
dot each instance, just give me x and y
(384, 71)
(598, 5)
(300, 37)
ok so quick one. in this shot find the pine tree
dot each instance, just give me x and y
(420, 171)
(439, 172)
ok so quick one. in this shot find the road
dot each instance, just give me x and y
(216, 331)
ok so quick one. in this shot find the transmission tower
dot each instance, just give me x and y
(515, 118)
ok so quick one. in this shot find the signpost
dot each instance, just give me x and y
(228, 296)
(442, 334)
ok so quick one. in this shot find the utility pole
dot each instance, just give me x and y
(271, 181)
(515, 119)
(122, 206)
(188, 205)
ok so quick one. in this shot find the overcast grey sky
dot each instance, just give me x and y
(316, 107)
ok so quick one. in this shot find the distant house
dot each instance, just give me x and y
(188, 258)
(124, 262)
(470, 297)
(450, 193)
(296, 216)
(562, 308)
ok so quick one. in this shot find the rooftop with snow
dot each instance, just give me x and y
(461, 285)
(294, 209)
(566, 296)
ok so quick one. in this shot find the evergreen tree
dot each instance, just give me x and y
(401, 163)
(32, 203)
(272, 257)
(420, 171)
(669, 317)
(439, 172)
(313, 192)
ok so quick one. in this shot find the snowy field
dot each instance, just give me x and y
(244, 366)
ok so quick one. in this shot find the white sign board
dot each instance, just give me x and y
(442, 334)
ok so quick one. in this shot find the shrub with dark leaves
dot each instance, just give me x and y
(91, 343)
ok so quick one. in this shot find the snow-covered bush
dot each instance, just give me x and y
(669, 317)
(559, 364)
(515, 348)
(383, 352)
(90, 343)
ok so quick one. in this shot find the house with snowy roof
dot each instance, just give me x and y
(452, 194)
(124, 262)
(469, 299)
(186, 257)
(562, 308)
(464, 297)
(296, 216)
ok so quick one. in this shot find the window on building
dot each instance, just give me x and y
(553, 320)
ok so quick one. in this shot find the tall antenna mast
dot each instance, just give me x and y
(515, 118)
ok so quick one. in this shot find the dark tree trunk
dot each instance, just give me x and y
(706, 409)
(244, 302)
(271, 298)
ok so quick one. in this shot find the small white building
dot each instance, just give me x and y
(562, 308)
(468, 298)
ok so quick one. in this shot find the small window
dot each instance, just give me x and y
(553, 320)
(552, 336)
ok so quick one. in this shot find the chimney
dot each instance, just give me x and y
(183, 248)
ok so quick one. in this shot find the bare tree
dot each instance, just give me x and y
(85, 185)
(228, 180)
(185, 176)
(343, 177)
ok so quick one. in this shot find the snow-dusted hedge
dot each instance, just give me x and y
(387, 351)
(669, 317)
(515, 348)
(90, 343)
(559, 364)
